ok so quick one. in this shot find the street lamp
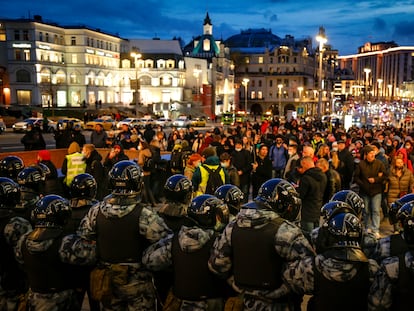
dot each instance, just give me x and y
(390, 91)
(321, 38)
(245, 83)
(367, 72)
(136, 57)
(280, 86)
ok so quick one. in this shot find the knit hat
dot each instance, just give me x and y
(44, 155)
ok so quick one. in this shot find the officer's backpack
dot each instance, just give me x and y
(214, 179)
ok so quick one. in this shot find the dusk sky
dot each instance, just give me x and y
(348, 23)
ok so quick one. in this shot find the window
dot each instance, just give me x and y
(91, 42)
(259, 95)
(23, 76)
(26, 35)
(17, 35)
(40, 36)
(24, 97)
(74, 78)
(270, 83)
(62, 58)
(18, 54)
(55, 39)
(26, 55)
(87, 42)
(47, 37)
(253, 95)
(74, 58)
(247, 60)
(73, 40)
(260, 59)
(260, 83)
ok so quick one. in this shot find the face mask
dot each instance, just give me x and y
(84, 154)
(139, 147)
(291, 152)
(197, 164)
(238, 149)
(224, 164)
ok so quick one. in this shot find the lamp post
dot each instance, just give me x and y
(390, 91)
(280, 86)
(245, 83)
(321, 38)
(367, 72)
(136, 56)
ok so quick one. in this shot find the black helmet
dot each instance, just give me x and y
(178, 188)
(44, 168)
(9, 192)
(345, 229)
(406, 216)
(332, 208)
(395, 207)
(83, 186)
(352, 198)
(10, 166)
(282, 197)
(51, 211)
(31, 177)
(231, 195)
(125, 177)
(204, 210)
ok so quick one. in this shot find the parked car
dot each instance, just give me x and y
(182, 121)
(21, 126)
(143, 122)
(131, 122)
(164, 122)
(107, 124)
(63, 122)
(198, 122)
(2, 126)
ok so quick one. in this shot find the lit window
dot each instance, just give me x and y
(260, 59)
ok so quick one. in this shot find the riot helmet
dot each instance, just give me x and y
(31, 177)
(207, 211)
(406, 216)
(231, 195)
(10, 166)
(395, 207)
(44, 168)
(332, 208)
(126, 178)
(178, 188)
(281, 196)
(352, 198)
(83, 186)
(51, 211)
(9, 192)
(344, 230)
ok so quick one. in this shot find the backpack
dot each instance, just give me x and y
(178, 160)
(214, 179)
(149, 164)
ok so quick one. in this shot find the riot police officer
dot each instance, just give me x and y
(340, 271)
(188, 251)
(177, 191)
(394, 283)
(122, 228)
(46, 259)
(13, 281)
(263, 227)
(31, 180)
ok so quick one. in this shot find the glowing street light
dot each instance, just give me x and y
(367, 72)
(321, 38)
(379, 91)
(280, 86)
(245, 83)
(136, 57)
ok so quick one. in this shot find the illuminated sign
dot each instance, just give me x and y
(100, 53)
(44, 47)
(90, 51)
(22, 45)
(108, 55)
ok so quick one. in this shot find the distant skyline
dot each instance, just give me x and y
(348, 24)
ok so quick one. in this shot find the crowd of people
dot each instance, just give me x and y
(251, 217)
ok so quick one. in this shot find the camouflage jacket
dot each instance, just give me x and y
(290, 244)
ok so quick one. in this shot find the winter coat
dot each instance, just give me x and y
(365, 170)
(398, 186)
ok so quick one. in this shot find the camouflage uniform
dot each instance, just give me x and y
(68, 253)
(384, 247)
(290, 244)
(173, 214)
(300, 275)
(138, 291)
(387, 283)
(159, 256)
(13, 279)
